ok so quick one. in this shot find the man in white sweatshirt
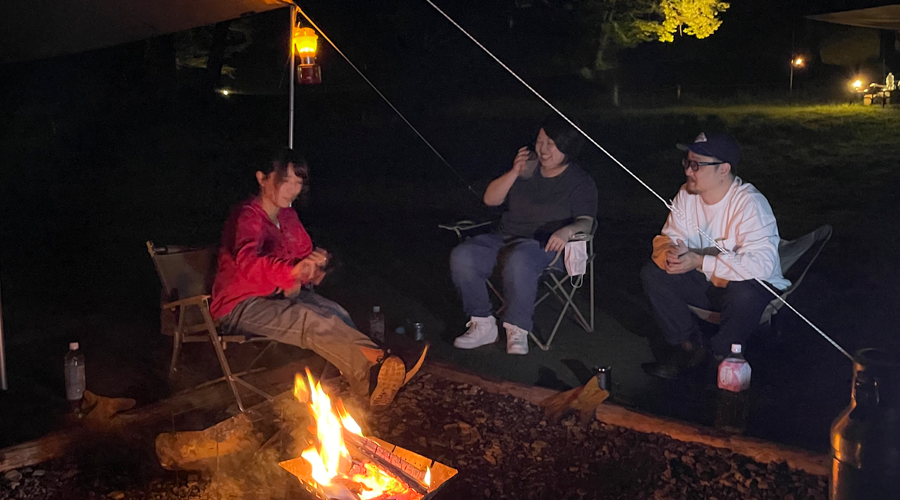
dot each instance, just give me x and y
(712, 207)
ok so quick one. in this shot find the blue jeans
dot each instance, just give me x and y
(308, 321)
(523, 260)
(741, 304)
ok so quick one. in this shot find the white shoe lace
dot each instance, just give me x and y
(517, 336)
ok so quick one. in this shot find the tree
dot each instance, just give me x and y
(612, 25)
(686, 17)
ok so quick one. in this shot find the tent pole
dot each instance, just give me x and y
(3, 384)
(293, 10)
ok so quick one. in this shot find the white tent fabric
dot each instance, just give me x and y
(37, 29)
(886, 17)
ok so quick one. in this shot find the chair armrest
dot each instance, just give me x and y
(579, 236)
(190, 301)
(462, 226)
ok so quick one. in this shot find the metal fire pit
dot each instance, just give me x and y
(405, 465)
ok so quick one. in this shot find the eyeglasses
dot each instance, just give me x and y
(695, 165)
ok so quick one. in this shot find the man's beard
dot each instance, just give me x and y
(691, 187)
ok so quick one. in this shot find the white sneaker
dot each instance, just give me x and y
(482, 331)
(516, 339)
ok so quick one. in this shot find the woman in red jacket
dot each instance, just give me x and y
(266, 258)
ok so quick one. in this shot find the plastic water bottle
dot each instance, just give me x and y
(376, 325)
(733, 381)
(75, 383)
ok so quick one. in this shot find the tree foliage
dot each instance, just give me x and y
(697, 18)
(616, 24)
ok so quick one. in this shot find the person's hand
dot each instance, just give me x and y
(558, 240)
(680, 259)
(520, 160)
(311, 269)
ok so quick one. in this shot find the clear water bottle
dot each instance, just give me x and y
(733, 380)
(376, 325)
(75, 382)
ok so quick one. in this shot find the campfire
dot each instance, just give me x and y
(343, 464)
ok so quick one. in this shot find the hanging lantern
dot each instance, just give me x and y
(304, 44)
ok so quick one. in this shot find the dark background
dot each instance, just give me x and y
(104, 150)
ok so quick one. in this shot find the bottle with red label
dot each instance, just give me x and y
(733, 381)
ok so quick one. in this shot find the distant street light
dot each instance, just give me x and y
(796, 62)
(857, 84)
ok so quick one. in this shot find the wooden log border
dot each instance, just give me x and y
(757, 449)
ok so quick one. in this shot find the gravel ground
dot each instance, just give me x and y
(503, 447)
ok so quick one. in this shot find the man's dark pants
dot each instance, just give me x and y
(741, 304)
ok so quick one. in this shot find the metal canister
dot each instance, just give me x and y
(418, 331)
(865, 438)
(604, 378)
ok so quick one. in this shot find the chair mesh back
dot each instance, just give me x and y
(185, 273)
(798, 251)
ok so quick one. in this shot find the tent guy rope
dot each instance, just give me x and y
(728, 254)
(389, 103)
(668, 205)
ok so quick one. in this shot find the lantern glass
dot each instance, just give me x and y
(305, 41)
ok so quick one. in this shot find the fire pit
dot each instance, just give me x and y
(342, 464)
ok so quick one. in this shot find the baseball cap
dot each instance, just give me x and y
(721, 146)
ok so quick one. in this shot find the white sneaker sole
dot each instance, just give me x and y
(464, 343)
(516, 350)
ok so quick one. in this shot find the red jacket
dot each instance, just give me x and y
(256, 257)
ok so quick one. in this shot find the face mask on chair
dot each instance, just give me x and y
(576, 258)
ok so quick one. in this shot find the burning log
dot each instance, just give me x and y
(230, 441)
(347, 465)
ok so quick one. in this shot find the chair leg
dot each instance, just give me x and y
(223, 363)
(176, 350)
(499, 296)
(546, 346)
(260, 355)
(560, 291)
(591, 270)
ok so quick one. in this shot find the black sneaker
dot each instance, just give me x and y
(385, 379)
(682, 361)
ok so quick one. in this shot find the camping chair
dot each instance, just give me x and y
(790, 252)
(186, 275)
(552, 278)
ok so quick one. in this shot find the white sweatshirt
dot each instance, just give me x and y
(742, 222)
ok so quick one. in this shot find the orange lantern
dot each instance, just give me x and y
(305, 42)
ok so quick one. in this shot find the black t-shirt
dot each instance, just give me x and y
(538, 206)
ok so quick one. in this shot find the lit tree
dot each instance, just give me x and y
(613, 25)
(698, 18)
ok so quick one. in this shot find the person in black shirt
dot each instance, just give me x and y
(547, 201)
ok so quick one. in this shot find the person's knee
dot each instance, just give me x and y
(522, 266)
(462, 260)
(745, 292)
(652, 275)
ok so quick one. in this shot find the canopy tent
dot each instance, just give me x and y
(36, 29)
(886, 17)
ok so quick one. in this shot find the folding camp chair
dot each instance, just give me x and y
(790, 252)
(552, 278)
(186, 275)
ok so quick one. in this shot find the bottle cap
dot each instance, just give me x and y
(376, 309)
(736, 348)
(73, 346)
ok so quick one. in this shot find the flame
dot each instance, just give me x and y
(326, 458)
(428, 476)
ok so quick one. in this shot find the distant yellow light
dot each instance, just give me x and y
(305, 41)
(798, 62)
(224, 92)
(857, 84)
